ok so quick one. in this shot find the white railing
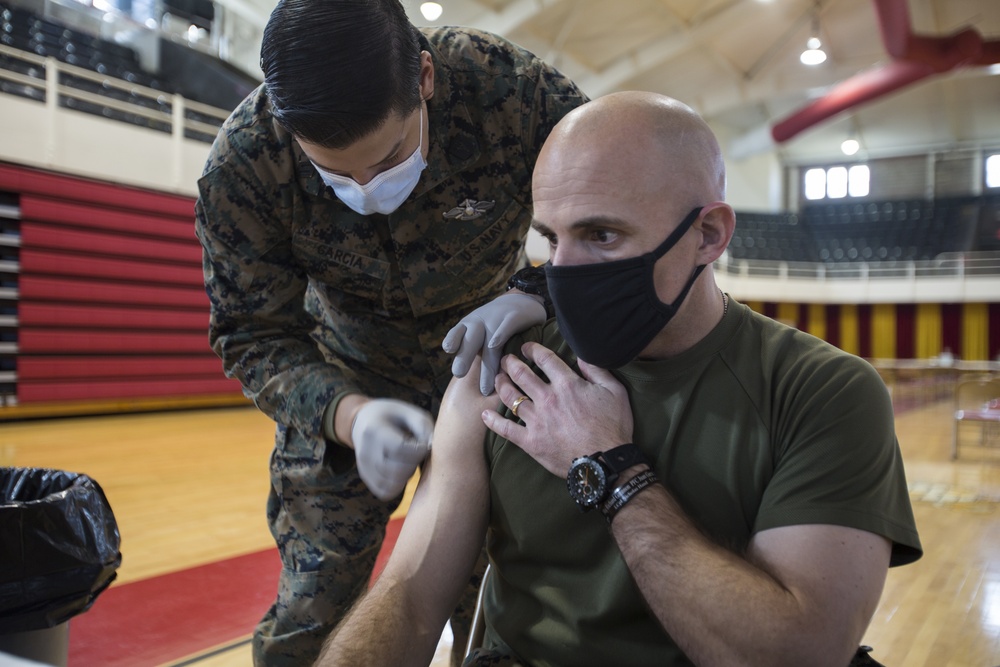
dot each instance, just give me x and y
(170, 109)
(951, 277)
(56, 117)
(945, 265)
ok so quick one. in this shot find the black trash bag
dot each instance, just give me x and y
(59, 547)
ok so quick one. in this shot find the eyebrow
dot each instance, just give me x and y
(590, 222)
(391, 152)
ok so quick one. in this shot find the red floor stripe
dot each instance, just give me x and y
(162, 619)
(391, 535)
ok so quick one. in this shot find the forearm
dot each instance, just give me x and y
(400, 620)
(381, 630)
(720, 608)
(339, 416)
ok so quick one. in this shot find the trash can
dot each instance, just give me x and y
(59, 549)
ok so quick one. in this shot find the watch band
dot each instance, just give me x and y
(626, 492)
(531, 280)
(622, 457)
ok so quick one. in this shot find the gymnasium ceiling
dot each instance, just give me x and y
(737, 62)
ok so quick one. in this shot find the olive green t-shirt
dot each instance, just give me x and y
(757, 426)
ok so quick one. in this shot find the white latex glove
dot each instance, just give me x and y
(390, 439)
(487, 329)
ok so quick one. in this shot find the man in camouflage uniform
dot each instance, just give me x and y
(332, 317)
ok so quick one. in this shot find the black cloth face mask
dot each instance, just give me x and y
(608, 312)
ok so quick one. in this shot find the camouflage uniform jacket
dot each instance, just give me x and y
(310, 300)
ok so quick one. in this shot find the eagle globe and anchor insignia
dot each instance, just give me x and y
(470, 209)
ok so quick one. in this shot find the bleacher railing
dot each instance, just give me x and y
(946, 265)
(62, 84)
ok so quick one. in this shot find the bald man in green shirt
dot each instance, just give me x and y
(749, 487)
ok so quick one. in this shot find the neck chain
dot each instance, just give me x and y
(725, 302)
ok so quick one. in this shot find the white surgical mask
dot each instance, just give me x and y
(388, 190)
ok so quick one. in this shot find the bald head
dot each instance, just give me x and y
(626, 176)
(646, 145)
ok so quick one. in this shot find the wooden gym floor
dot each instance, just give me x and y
(188, 491)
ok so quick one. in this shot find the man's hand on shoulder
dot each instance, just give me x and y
(567, 417)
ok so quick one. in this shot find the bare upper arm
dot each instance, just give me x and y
(836, 573)
(445, 526)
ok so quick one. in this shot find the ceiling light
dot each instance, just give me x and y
(850, 146)
(431, 10)
(814, 53)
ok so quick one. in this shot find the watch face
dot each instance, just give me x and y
(587, 482)
(533, 275)
(530, 280)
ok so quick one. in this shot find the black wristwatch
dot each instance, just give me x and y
(591, 478)
(531, 280)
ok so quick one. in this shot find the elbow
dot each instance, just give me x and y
(820, 645)
(838, 656)
(797, 651)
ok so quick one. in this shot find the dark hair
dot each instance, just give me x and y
(335, 69)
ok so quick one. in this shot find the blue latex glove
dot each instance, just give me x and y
(487, 329)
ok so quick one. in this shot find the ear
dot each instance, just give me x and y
(717, 223)
(426, 76)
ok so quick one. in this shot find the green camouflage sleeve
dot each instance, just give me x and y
(258, 325)
(553, 97)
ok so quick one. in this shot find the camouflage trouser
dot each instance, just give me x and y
(329, 529)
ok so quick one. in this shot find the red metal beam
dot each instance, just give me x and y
(914, 58)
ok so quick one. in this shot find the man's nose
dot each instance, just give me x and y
(564, 255)
(365, 176)
(556, 256)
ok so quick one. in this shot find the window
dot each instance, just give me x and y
(993, 171)
(836, 182)
(857, 181)
(815, 184)
(840, 182)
